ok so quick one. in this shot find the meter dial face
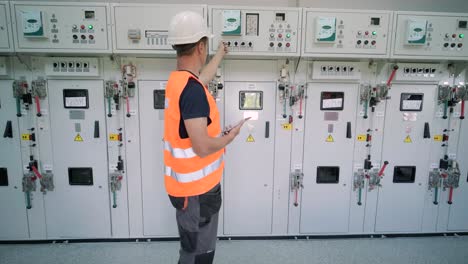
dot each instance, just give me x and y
(251, 24)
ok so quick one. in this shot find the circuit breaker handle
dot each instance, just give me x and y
(109, 109)
(381, 172)
(18, 107)
(38, 105)
(462, 116)
(392, 76)
(300, 107)
(28, 201)
(128, 106)
(114, 200)
(360, 197)
(445, 110)
(8, 130)
(36, 172)
(450, 201)
(366, 109)
(436, 194)
(296, 199)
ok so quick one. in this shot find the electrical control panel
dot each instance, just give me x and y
(346, 33)
(419, 72)
(421, 35)
(330, 70)
(6, 40)
(70, 66)
(143, 28)
(256, 31)
(61, 27)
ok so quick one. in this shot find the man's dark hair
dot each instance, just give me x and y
(188, 49)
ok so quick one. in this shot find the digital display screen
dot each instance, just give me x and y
(89, 14)
(159, 97)
(332, 101)
(462, 24)
(251, 25)
(250, 100)
(411, 102)
(328, 174)
(75, 98)
(375, 21)
(80, 176)
(280, 17)
(404, 174)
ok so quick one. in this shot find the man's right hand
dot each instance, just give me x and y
(222, 48)
(234, 131)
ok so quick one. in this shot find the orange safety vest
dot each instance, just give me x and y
(187, 174)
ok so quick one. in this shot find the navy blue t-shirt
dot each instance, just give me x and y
(193, 104)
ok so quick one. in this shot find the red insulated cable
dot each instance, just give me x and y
(38, 104)
(450, 195)
(392, 76)
(36, 172)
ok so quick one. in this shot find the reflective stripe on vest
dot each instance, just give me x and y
(178, 152)
(197, 175)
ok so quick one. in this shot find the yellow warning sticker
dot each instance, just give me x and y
(287, 126)
(408, 139)
(78, 138)
(361, 137)
(438, 137)
(25, 136)
(330, 139)
(114, 137)
(250, 138)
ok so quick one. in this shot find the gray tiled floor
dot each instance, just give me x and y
(437, 250)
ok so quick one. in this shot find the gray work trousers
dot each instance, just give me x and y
(198, 226)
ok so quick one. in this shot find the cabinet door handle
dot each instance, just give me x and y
(8, 130)
(96, 129)
(427, 131)
(348, 130)
(267, 129)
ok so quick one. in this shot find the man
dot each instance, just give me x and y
(194, 142)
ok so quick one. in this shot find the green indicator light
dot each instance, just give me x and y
(90, 26)
(288, 35)
(374, 33)
(462, 35)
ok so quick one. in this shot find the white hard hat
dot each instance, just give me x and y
(187, 27)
